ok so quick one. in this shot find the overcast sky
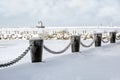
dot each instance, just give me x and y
(59, 12)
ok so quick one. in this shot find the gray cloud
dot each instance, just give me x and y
(60, 12)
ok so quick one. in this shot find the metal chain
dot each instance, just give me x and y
(89, 44)
(16, 59)
(118, 37)
(59, 52)
(108, 39)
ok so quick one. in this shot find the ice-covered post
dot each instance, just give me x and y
(98, 37)
(112, 37)
(75, 47)
(36, 50)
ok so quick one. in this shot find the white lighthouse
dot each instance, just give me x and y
(40, 25)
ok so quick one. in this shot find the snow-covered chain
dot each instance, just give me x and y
(118, 37)
(89, 44)
(57, 52)
(16, 59)
(108, 39)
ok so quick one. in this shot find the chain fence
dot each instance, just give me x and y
(87, 45)
(118, 37)
(57, 52)
(16, 59)
(107, 39)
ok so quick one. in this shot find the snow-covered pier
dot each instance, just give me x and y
(101, 63)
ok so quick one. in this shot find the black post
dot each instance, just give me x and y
(36, 50)
(75, 47)
(98, 37)
(112, 37)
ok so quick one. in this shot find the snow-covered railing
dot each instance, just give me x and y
(16, 59)
(37, 45)
(74, 43)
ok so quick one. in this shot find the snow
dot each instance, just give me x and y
(95, 63)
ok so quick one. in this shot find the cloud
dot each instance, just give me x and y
(60, 12)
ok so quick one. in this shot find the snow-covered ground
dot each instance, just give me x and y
(100, 63)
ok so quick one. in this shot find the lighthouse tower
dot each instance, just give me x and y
(40, 25)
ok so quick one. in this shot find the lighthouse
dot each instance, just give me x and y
(40, 25)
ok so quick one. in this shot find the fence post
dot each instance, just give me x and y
(112, 37)
(98, 37)
(36, 50)
(75, 47)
